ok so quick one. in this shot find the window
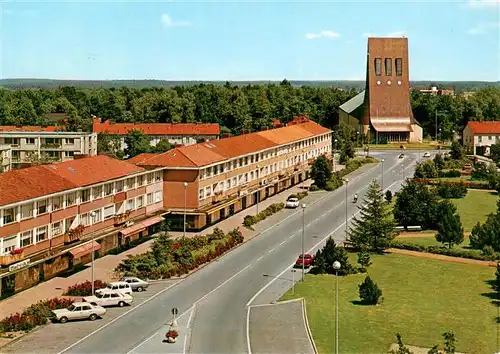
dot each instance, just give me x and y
(26, 238)
(12, 141)
(84, 219)
(41, 207)
(97, 216)
(228, 184)
(158, 176)
(9, 244)
(388, 66)
(27, 211)
(9, 215)
(378, 66)
(140, 180)
(109, 211)
(70, 199)
(30, 141)
(119, 186)
(69, 153)
(399, 66)
(57, 202)
(41, 233)
(158, 196)
(150, 198)
(208, 191)
(130, 183)
(129, 205)
(69, 141)
(108, 189)
(201, 194)
(139, 203)
(97, 192)
(151, 177)
(233, 183)
(57, 228)
(85, 195)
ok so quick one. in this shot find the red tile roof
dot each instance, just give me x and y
(220, 150)
(484, 127)
(37, 181)
(107, 127)
(13, 128)
(141, 157)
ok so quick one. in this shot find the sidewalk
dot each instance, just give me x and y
(103, 267)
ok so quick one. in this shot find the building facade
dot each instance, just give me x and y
(5, 158)
(29, 142)
(214, 180)
(46, 207)
(383, 110)
(175, 134)
(477, 137)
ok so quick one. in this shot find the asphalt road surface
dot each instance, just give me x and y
(213, 301)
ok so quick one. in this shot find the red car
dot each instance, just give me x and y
(307, 259)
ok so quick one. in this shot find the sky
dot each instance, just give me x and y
(244, 40)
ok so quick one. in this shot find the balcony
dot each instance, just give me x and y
(50, 146)
(74, 235)
(121, 218)
(219, 196)
(15, 256)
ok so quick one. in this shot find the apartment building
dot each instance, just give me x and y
(5, 161)
(479, 136)
(49, 142)
(46, 207)
(176, 134)
(213, 180)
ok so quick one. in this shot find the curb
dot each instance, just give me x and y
(306, 323)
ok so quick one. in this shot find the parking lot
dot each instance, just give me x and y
(55, 337)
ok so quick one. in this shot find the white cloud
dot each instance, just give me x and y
(322, 34)
(368, 34)
(483, 4)
(167, 21)
(483, 28)
(391, 34)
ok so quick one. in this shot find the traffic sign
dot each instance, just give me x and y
(175, 311)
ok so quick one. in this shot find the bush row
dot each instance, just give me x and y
(250, 220)
(470, 185)
(351, 166)
(449, 174)
(35, 315)
(85, 288)
(453, 252)
(451, 190)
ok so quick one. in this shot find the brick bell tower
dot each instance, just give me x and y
(386, 108)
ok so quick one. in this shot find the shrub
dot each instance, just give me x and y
(451, 190)
(250, 220)
(301, 195)
(313, 188)
(85, 288)
(449, 174)
(489, 253)
(172, 333)
(17, 251)
(388, 196)
(369, 292)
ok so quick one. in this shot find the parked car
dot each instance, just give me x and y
(109, 298)
(426, 154)
(79, 311)
(135, 283)
(307, 259)
(121, 286)
(292, 203)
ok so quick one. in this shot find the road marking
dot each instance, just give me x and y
(248, 330)
(122, 315)
(258, 259)
(188, 333)
(272, 249)
(282, 242)
(196, 303)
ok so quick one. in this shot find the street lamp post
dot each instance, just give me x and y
(293, 281)
(303, 231)
(334, 153)
(258, 192)
(336, 266)
(92, 217)
(382, 174)
(185, 207)
(346, 180)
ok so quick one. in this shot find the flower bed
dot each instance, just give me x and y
(85, 288)
(250, 220)
(452, 252)
(35, 315)
(169, 257)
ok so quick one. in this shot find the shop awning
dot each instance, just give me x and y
(133, 229)
(83, 250)
(152, 221)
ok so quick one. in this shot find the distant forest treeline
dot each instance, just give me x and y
(246, 106)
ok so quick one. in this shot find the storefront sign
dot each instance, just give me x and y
(19, 265)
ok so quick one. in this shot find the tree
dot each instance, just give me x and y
(375, 228)
(402, 349)
(457, 151)
(449, 226)
(449, 342)
(388, 196)
(364, 260)
(36, 160)
(415, 206)
(162, 146)
(487, 234)
(426, 169)
(438, 161)
(497, 279)
(329, 254)
(369, 292)
(321, 172)
(137, 143)
(109, 144)
(495, 153)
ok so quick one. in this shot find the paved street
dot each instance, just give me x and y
(255, 273)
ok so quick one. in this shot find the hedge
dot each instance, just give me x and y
(452, 252)
(470, 185)
(85, 288)
(250, 220)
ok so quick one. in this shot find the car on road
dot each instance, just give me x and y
(306, 259)
(121, 286)
(79, 311)
(402, 156)
(135, 283)
(292, 203)
(109, 298)
(426, 154)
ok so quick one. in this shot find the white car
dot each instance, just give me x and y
(292, 203)
(109, 298)
(120, 286)
(79, 311)
(426, 154)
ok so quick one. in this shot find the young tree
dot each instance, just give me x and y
(439, 162)
(369, 292)
(388, 196)
(426, 169)
(374, 229)
(364, 260)
(162, 146)
(321, 172)
(449, 342)
(331, 253)
(137, 143)
(415, 206)
(402, 349)
(497, 279)
(457, 151)
(449, 226)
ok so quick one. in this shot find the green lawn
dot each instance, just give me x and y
(422, 299)
(475, 207)
(431, 241)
